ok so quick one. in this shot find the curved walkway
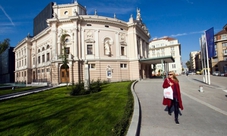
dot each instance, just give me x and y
(204, 114)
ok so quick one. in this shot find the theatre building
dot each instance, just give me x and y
(111, 48)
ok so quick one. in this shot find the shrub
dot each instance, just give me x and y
(77, 88)
(95, 86)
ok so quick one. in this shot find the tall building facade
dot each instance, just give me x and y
(166, 46)
(193, 60)
(219, 61)
(7, 66)
(111, 48)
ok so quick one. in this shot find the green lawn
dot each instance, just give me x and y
(56, 113)
(18, 89)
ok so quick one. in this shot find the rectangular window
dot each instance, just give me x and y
(91, 66)
(24, 61)
(173, 65)
(34, 61)
(224, 37)
(38, 71)
(67, 50)
(123, 65)
(39, 60)
(172, 48)
(122, 51)
(89, 49)
(42, 70)
(225, 52)
(43, 58)
(224, 45)
(48, 56)
(25, 73)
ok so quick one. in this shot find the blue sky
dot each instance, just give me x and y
(185, 20)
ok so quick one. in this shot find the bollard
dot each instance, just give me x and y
(201, 88)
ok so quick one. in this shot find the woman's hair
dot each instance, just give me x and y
(174, 76)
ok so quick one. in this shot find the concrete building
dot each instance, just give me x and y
(219, 62)
(192, 56)
(163, 47)
(198, 61)
(111, 47)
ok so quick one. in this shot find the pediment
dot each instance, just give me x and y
(123, 43)
(90, 40)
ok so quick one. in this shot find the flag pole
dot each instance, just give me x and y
(201, 54)
(204, 56)
(208, 68)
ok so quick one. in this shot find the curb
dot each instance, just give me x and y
(134, 129)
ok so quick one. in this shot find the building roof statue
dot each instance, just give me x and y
(138, 16)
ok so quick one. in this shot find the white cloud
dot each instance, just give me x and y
(5, 30)
(184, 34)
(7, 15)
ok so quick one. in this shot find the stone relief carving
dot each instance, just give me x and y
(89, 34)
(122, 37)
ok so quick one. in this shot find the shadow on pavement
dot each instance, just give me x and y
(199, 81)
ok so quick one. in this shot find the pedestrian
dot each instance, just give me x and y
(172, 81)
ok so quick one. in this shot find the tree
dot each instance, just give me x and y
(188, 64)
(4, 45)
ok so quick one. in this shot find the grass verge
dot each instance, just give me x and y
(17, 89)
(56, 113)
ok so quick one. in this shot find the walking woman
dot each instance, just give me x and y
(172, 81)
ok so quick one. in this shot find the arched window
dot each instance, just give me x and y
(38, 50)
(43, 49)
(48, 46)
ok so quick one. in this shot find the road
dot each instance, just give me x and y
(204, 114)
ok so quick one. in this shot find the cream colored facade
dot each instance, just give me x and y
(219, 62)
(104, 43)
(193, 60)
(166, 46)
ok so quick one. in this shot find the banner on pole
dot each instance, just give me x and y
(210, 42)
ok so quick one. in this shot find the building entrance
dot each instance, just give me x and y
(64, 73)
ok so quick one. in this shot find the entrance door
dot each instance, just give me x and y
(64, 74)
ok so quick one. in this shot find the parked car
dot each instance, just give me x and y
(216, 73)
(222, 74)
(225, 74)
(191, 73)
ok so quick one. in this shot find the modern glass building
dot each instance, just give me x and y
(7, 66)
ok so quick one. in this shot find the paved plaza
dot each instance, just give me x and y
(204, 114)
